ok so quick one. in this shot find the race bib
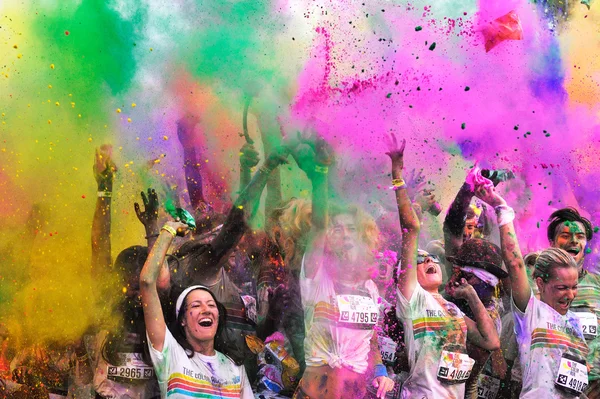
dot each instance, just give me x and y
(388, 349)
(487, 387)
(454, 368)
(356, 309)
(132, 367)
(572, 376)
(589, 324)
(250, 306)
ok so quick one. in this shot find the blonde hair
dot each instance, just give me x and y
(294, 219)
(550, 259)
(365, 224)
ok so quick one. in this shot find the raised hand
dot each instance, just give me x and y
(278, 156)
(148, 216)
(185, 129)
(181, 228)
(415, 183)
(487, 193)
(460, 289)
(248, 156)
(395, 149)
(474, 178)
(104, 168)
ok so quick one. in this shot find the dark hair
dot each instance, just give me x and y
(568, 215)
(222, 343)
(129, 264)
(550, 259)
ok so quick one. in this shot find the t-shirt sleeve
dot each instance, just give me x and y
(162, 359)
(523, 319)
(405, 308)
(310, 286)
(246, 388)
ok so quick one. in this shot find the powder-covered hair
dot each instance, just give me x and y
(294, 219)
(365, 224)
(550, 259)
(567, 215)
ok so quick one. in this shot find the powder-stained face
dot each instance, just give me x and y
(571, 237)
(201, 316)
(343, 238)
(470, 225)
(429, 272)
(561, 288)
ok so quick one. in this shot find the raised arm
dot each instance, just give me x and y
(104, 173)
(207, 264)
(409, 222)
(511, 252)
(248, 160)
(481, 331)
(314, 158)
(270, 134)
(153, 314)
(193, 177)
(149, 218)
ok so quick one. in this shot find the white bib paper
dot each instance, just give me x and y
(589, 323)
(572, 375)
(356, 309)
(487, 387)
(132, 367)
(455, 367)
(388, 349)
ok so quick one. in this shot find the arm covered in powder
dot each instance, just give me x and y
(104, 172)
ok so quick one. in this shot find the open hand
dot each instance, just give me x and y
(395, 149)
(149, 215)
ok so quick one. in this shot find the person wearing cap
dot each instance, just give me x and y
(479, 262)
(552, 346)
(436, 330)
(189, 357)
(572, 232)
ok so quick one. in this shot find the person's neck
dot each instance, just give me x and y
(206, 348)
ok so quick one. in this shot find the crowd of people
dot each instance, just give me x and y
(325, 302)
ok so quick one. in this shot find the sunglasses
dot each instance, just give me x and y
(423, 258)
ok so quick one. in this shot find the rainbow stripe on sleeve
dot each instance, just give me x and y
(180, 384)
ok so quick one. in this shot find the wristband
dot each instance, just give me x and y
(380, 371)
(505, 214)
(264, 169)
(321, 169)
(398, 183)
(104, 194)
(169, 229)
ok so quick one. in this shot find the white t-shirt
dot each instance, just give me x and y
(544, 335)
(210, 377)
(339, 327)
(431, 325)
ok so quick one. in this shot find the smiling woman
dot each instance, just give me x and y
(188, 357)
(553, 350)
